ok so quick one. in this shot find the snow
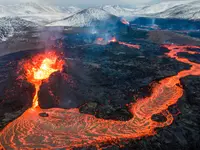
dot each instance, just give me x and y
(171, 9)
(14, 18)
(41, 14)
(159, 7)
(86, 17)
(11, 25)
(34, 8)
(189, 10)
(167, 9)
(118, 11)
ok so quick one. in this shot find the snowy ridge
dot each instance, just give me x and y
(189, 10)
(117, 10)
(19, 17)
(86, 17)
(171, 9)
(159, 7)
(74, 16)
(34, 8)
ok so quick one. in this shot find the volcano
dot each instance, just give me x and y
(109, 88)
(69, 128)
(87, 17)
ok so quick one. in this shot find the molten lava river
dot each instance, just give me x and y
(68, 128)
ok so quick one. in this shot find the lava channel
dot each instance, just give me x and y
(101, 41)
(68, 128)
(114, 40)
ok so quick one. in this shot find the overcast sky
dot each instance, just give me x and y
(86, 3)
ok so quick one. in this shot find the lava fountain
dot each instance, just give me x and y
(39, 68)
(68, 128)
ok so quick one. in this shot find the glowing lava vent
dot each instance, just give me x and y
(113, 40)
(40, 67)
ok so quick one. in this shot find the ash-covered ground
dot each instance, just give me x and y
(102, 79)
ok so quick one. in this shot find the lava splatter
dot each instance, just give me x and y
(39, 68)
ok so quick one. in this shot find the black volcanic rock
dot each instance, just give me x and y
(113, 113)
(14, 99)
(59, 92)
(89, 108)
(44, 114)
(159, 118)
(192, 88)
(194, 57)
(107, 112)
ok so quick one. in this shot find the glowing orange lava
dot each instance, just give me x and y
(39, 68)
(130, 45)
(114, 40)
(68, 128)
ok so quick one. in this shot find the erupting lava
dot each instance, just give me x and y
(69, 128)
(40, 68)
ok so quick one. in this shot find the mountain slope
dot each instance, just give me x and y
(41, 14)
(11, 25)
(186, 11)
(34, 8)
(117, 10)
(87, 17)
(158, 7)
(171, 9)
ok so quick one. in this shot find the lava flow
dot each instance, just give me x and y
(68, 128)
(40, 68)
(114, 40)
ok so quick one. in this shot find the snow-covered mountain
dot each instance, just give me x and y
(34, 8)
(87, 17)
(74, 16)
(158, 7)
(19, 17)
(118, 11)
(41, 14)
(11, 25)
(171, 9)
(187, 9)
